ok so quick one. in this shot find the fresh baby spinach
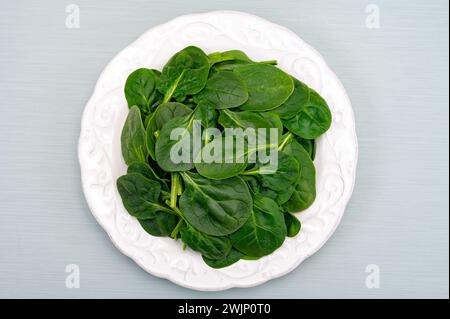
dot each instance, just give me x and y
(167, 146)
(268, 87)
(140, 89)
(185, 74)
(264, 231)
(161, 225)
(292, 106)
(215, 207)
(195, 171)
(293, 225)
(223, 90)
(140, 196)
(313, 119)
(209, 246)
(133, 138)
(232, 257)
(163, 113)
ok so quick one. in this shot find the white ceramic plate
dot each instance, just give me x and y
(101, 161)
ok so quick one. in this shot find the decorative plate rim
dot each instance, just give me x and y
(129, 253)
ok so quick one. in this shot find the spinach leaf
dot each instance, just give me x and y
(293, 225)
(185, 74)
(227, 164)
(313, 120)
(275, 122)
(309, 145)
(296, 101)
(140, 196)
(215, 207)
(209, 246)
(148, 172)
(163, 113)
(256, 188)
(286, 174)
(140, 89)
(166, 147)
(263, 232)
(268, 86)
(231, 55)
(207, 114)
(232, 257)
(133, 138)
(223, 90)
(305, 188)
(243, 119)
(161, 225)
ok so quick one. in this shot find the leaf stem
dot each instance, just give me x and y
(270, 62)
(175, 231)
(286, 140)
(174, 190)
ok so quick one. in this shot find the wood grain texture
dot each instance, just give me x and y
(397, 79)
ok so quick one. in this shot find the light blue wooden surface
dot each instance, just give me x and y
(396, 76)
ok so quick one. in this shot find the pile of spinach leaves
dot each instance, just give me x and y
(226, 212)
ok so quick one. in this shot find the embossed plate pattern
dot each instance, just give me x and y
(101, 161)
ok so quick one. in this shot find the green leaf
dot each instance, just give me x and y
(296, 101)
(163, 113)
(268, 86)
(228, 163)
(140, 89)
(232, 55)
(243, 119)
(256, 188)
(223, 90)
(132, 140)
(263, 232)
(207, 114)
(313, 120)
(161, 225)
(293, 225)
(147, 171)
(232, 257)
(166, 148)
(215, 207)
(185, 74)
(140, 196)
(210, 246)
(286, 173)
(309, 145)
(305, 188)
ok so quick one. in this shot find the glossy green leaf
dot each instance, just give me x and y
(232, 257)
(293, 225)
(209, 246)
(185, 74)
(268, 86)
(140, 89)
(161, 225)
(147, 171)
(305, 188)
(227, 163)
(132, 140)
(232, 55)
(285, 174)
(140, 196)
(296, 101)
(163, 113)
(215, 207)
(182, 143)
(223, 90)
(264, 231)
(313, 120)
